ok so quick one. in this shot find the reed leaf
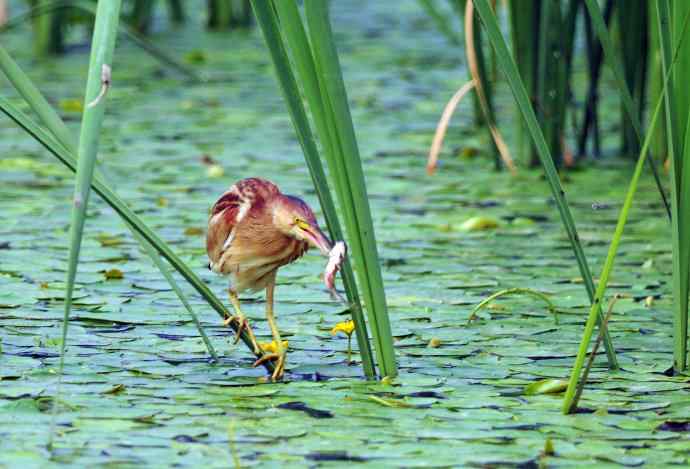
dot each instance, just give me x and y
(97, 84)
(678, 135)
(510, 70)
(52, 121)
(441, 19)
(158, 262)
(572, 395)
(614, 62)
(475, 62)
(523, 23)
(360, 226)
(296, 36)
(126, 213)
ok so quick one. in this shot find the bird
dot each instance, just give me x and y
(253, 230)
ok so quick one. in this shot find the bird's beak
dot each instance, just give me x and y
(316, 238)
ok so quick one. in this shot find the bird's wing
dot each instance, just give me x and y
(245, 199)
(224, 216)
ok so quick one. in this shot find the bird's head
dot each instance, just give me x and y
(295, 219)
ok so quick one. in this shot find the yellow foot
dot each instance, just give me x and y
(243, 324)
(279, 369)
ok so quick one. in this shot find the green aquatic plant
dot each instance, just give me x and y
(680, 297)
(318, 69)
(510, 70)
(97, 85)
(672, 17)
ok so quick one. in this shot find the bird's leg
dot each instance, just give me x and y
(280, 350)
(242, 322)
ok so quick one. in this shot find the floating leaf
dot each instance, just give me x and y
(546, 386)
(113, 274)
(479, 224)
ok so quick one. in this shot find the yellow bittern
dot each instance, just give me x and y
(253, 230)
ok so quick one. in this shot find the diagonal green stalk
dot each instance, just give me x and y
(126, 213)
(98, 81)
(571, 396)
(614, 61)
(35, 99)
(679, 155)
(681, 172)
(155, 257)
(509, 68)
(297, 39)
(47, 7)
(569, 402)
(514, 291)
(52, 121)
(441, 19)
(360, 227)
(523, 23)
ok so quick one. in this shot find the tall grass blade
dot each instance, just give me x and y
(98, 81)
(509, 68)
(656, 78)
(48, 32)
(360, 227)
(441, 19)
(155, 257)
(572, 396)
(523, 24)
(617, 68)
(635, 52)
(677, 121)
(126, 213)
(21, 82)
(475, 63)
(296, 36)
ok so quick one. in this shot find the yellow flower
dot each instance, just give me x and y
(272, 346)
(347, 327)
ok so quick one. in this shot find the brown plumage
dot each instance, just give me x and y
(253, 230)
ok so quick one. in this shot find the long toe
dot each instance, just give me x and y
(280, 368)
(241, 326)
(265, 358)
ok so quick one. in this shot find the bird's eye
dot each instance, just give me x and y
(301, 223)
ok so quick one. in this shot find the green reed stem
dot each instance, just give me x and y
(97, 85)
(360, 227)
(301, 52)
(571, 396)
(509, 68)
(677, 122)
